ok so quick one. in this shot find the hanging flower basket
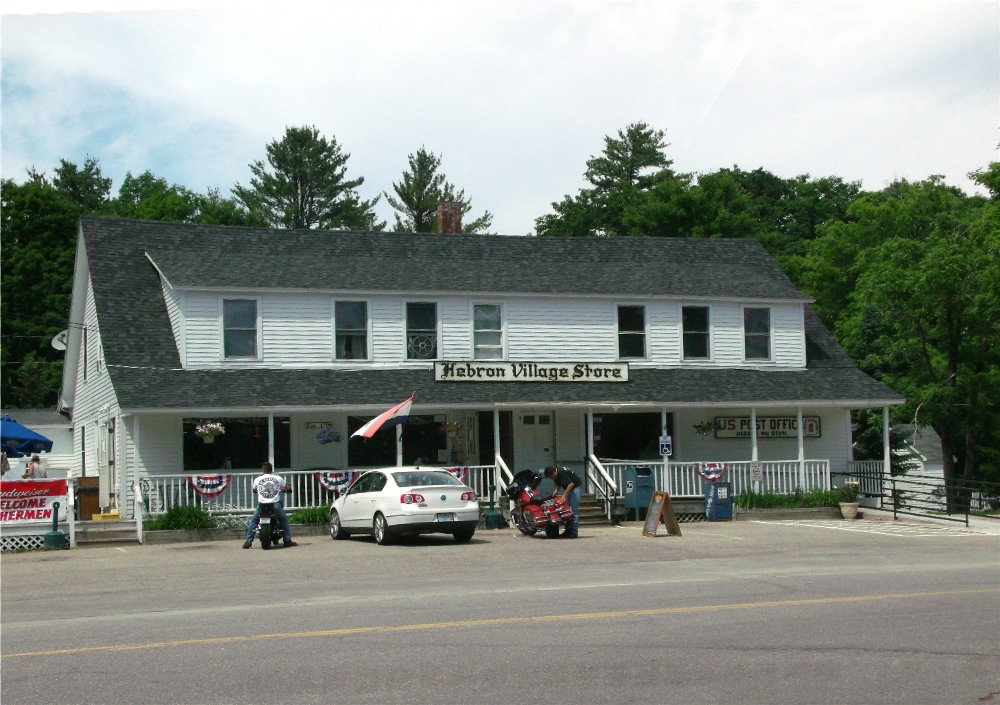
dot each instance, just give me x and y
(208, 430)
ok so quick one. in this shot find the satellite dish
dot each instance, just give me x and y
(59, 341)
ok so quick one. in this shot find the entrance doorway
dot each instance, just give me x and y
(534, 440)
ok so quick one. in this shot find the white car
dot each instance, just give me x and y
(397, 501)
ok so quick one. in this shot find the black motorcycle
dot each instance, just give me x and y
(269, 528)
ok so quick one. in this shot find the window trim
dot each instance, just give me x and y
(680, 324)
(406, 331)
(258, 330)
(770, 333)
(368, 330)
(502, 330)
(645, 332)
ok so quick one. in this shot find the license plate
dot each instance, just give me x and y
(446, 517)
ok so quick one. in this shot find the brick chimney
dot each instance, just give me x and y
(449, 217)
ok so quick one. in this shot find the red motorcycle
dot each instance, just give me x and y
(531, 512)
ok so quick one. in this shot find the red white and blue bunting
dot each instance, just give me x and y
(461, 473)
(210, 485)
(338, 480)
(712, 471)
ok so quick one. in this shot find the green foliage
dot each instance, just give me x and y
(38, 227)
(180, 518)
(422, 188)
(749, 499)
(304, 185)
(310, 515)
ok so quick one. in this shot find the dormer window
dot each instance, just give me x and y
(421, 331)
(757, 333)
(487, 332)
(239, 328)
(695, 324)
(351, 323)
(631, 332)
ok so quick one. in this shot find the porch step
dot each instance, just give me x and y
(105, 532)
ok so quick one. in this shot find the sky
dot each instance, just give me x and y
(514, 97)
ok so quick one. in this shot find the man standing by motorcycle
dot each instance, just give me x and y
(571, 485)
(269, 488)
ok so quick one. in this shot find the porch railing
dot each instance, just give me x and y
(681, 479)
(603, 485)
(160, 493)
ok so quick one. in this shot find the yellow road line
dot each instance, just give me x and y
(501, 621)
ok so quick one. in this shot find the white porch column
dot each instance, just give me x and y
(802, 447)
(496, 436)
(753, 434)
(886, 449)
(666, 458)
(270, 438)
(399, 446)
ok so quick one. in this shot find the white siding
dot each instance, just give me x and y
(297, 330)
(172, 300)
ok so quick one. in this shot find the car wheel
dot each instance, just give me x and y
(465, 535)
(552, 531)
(336, 530)
(383, 535)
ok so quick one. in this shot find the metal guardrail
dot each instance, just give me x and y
(925, 496)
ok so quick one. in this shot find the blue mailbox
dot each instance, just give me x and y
(718, 501)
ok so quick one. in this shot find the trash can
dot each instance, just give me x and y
(639, 486)
(719, 501)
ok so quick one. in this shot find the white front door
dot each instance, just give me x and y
(534, 440)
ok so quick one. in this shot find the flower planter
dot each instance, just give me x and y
(849, 510)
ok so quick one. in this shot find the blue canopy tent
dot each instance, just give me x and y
(18, 441)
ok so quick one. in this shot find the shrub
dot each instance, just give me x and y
(749, 499)
(310, 515)
(178, 518)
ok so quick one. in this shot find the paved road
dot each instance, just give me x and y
(750, 612)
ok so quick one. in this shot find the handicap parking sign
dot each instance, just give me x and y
(666, 445)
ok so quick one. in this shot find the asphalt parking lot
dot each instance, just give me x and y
(780, 609)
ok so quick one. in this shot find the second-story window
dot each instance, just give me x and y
(351, 323)
(239, 328)
(631, 332)
(757, 333)
(487, 333)
(421, 331)
(695, 332)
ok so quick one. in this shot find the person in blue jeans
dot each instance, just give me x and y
(269, 488)
(571, 485)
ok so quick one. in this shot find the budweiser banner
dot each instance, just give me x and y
(31, 501)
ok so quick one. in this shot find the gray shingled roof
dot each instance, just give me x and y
(144, 365)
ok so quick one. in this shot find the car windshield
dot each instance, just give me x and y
(425, 478)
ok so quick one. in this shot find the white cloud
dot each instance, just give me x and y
(514, 96)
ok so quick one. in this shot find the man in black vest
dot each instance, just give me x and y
(572, 486)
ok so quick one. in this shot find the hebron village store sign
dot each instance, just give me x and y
(530, 372)
(767, 427)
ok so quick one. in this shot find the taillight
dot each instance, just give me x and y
(411, 498)
(469, 497)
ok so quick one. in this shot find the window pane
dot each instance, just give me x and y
(486, 317)
(695, 345)
(351, 315)
(420, 316)
(239, 313)
(631, 345)
(695, 318)
(241, 343)
(757, 320)
(758, 347)
(632, 319)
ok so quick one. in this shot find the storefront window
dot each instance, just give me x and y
(242, 445)
(424, 441)
(630, 436)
